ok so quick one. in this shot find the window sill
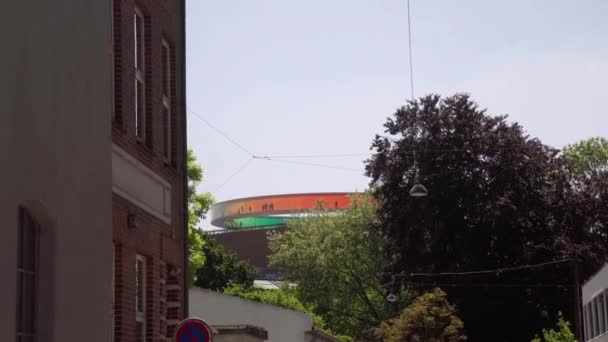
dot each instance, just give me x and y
(170, 168)
(169, 163)
(118, 128)
(143, 147)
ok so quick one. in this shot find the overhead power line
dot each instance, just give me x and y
(239, 170)
(221, 132)
(285, 158)
(409, 40)
(318, 156)
(496, 271)
(309, 164)
(486, 285)
(492, 271)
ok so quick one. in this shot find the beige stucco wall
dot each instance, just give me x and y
(55, 95)
(218, 309)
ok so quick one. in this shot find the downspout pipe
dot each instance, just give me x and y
(184, 153)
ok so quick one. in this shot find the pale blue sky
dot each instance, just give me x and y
(287, 77)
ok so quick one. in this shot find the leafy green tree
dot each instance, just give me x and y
(284, 297)
(497, 198)
(209, 265)
(221, 269)
(588, 156)
(561, 334)
(335, 260)
(430, 318)
(198, 205)
(588, 164)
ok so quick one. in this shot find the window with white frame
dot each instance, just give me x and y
(596, 316)
(140, 298)
(27, 274)
(587, 309)
(140, 84)
(601, 308)
(589, 321)
(166, 83)
(596, 321)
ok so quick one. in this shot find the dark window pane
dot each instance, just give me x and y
(167, 134)
(596, 320)
(606, 309)
(20, 294)
(28, 304)
(138, 27)
(589, 321)
(139, 109)
(22, 223)
(600, 307)
(140, 333)
(165, 70)
(26, 276)
(586, 321)
(28, 247)
(139, 273)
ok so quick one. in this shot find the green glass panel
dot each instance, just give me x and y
(256, 222)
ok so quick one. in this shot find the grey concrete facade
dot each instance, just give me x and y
(56, 96)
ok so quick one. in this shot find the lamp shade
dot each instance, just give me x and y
(418, 190)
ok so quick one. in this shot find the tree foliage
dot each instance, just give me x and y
(589, 155)
(430, 318)
(335, 258)
(209, 265)
(198, 205)
(497, 198)
(562, 333)
(222, 269)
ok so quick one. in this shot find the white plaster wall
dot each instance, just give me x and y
(595, 284)
(55, 143)
(283, 325)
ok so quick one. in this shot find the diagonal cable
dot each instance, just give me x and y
(317, 156)
(239, 170)
(221, 132)
(308, 164)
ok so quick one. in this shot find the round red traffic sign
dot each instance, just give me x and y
(193, 330)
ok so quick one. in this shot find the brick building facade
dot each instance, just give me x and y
(148, 169)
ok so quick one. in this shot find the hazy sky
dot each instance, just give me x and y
(294, 77)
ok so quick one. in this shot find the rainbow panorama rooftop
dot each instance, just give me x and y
(273, 211)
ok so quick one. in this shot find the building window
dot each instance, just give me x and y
(596, 316)
(601, 312)
(605, 295)
(27, 271)
(586, 320)
(140, 84)
(166, 82)
(140, 298)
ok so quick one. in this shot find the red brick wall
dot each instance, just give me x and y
(163, 21)
(158, 241)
